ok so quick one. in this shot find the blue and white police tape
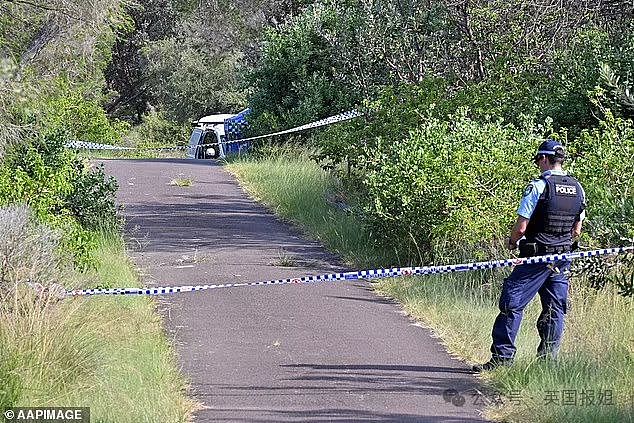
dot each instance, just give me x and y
(84, 145)
(361, 274)
(341, 117)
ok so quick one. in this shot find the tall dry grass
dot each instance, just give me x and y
(109, 354)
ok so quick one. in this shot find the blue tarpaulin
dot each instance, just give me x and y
(234, 130)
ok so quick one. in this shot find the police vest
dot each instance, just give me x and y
(556, 212)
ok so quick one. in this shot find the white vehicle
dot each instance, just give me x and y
(211, 137)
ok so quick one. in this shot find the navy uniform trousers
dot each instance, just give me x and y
(518, 290)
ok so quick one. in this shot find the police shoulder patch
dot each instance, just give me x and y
(528, 189)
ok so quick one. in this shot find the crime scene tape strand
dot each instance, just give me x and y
(341, 117)
(361, 274)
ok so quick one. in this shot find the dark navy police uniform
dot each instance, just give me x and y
(553, 204)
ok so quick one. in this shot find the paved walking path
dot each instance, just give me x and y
(291, 353)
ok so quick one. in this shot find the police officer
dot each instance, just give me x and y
(549, 218)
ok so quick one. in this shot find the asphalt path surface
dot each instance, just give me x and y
(326, 352)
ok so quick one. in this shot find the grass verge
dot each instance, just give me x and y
(106, 353)
(297, 190)
(591, 382)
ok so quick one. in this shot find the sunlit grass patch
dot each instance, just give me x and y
(106, 353)
(182, 182)
(299, 191)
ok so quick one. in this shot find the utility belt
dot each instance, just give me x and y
(531, 249)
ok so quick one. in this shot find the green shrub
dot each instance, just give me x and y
(454, 185)
(402, 108)
(295, 81)
(82, 118)
(448, 189)
(156, 129)
(60, 190)
(92, 198)
(37, 177)
(413, 136)
(603, 159)
(604, 162)
(390, 117)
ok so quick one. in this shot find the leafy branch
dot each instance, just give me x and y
(620, 91)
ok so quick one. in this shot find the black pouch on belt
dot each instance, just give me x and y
(527, 249)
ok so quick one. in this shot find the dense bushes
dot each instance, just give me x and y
(445, 189)
(438, 185)
(61, 190)
(500, 59)
(35, 167)
(295, 82)
(390, 116)
(604, 162)
(155, 129)
(80, 117)
(452, 186)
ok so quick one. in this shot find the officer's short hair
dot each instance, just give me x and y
(558, 157)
